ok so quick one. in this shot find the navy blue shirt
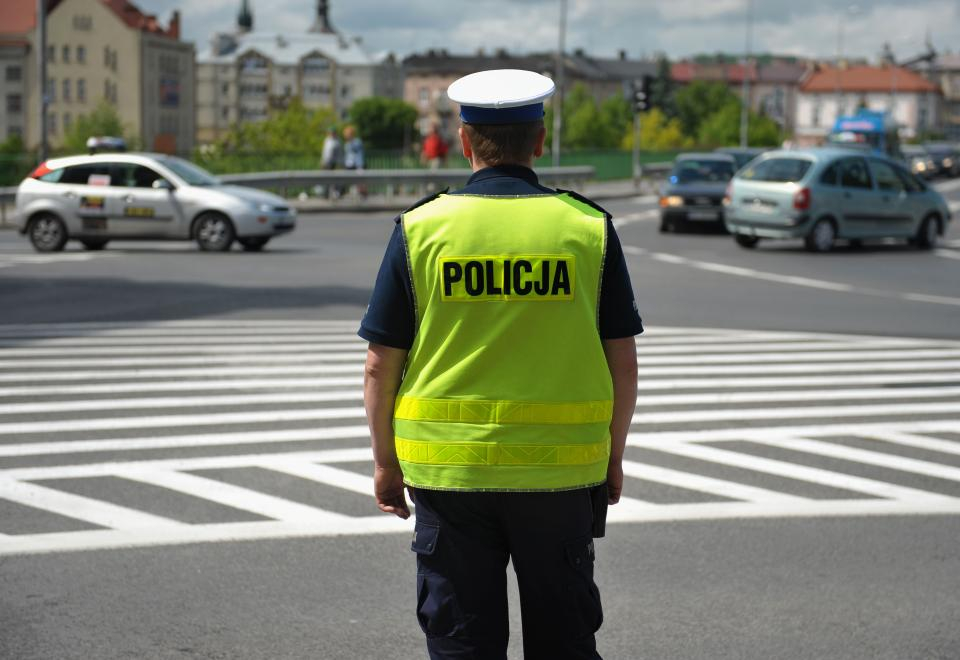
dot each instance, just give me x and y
(391, 320)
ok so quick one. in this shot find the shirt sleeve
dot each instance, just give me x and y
(618, 314)
(390, 318)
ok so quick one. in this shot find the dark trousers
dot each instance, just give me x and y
(463, 542)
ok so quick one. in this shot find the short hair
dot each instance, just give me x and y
(504, 144)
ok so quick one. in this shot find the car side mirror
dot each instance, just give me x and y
(162, 184)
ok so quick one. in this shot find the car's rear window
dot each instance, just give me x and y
(690, 170)
(778, 170)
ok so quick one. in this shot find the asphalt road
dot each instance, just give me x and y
(183, 471)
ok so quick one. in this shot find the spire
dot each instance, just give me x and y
(322, 22)
(245, 18)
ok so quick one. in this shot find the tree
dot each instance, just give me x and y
(384, 123)
(658, 133)
(722, 128)
(101, 121)
(700, 100)
(294, 129)
(616, 120)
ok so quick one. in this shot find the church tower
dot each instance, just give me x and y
(245, 18)
(322, 21)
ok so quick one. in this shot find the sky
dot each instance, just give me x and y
(811, 28)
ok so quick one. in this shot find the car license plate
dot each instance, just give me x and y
(702, 215)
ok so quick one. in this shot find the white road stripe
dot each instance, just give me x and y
(808, 282)
(804, 473)
(212, 359)
(192, 440)
(324, 474)
(655, 439)
(644, 401)
(265, 345)
(798, 356)
(805, 412)
(706, 484)
(947, 254)
(279, 416)
(79, 507)
(895, 382)
(233, 496)
(329, 369)
(867, 457)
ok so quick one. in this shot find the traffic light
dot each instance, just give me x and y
(640, 91)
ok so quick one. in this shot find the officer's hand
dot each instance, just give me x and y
(614, 481)
(388, 489)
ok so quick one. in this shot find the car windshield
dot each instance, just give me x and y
(695, 171)
(193, 175)
(778, 170)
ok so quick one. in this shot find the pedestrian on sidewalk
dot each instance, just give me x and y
(353, 154)
(501, 378)
(434, 151)
(330, 156)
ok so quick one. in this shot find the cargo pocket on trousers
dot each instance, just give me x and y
(437, 609)
(586, 612)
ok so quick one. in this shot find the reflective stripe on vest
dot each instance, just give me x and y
(506, 385)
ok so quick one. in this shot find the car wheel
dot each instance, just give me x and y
(928, 233)
(665, 226)
(746, 241)
(94, 244)
(253, 244)
(821, 237)
(48, 233)
(214, 232)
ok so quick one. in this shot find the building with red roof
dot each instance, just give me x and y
(831, 92)
(99, 50)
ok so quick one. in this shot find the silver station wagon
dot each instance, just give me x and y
(822, 195)
(98, 198)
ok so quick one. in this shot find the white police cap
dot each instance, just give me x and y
(501, 96)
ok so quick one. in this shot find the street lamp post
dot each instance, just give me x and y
(558, 80)
(849, 10)
(42, 74)
(745, 90)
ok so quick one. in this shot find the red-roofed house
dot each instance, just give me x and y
(831, 92)
(102, 49)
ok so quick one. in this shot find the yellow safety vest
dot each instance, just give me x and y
(506, 385)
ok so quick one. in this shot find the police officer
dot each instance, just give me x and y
(501, 378)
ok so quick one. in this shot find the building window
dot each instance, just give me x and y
(81, 55)
(52, 123)
(14, 74)
(67, 121)
(66, 89)
(14, 131)
(65, 54)
(51, 54)
(816, 113)
(51, 90)
(922, 116)
(14, 104)
(424, 96)
(81, 90)
(225, 90)
(344, 91)
(287, 90)
(106, 56)
(225, 113)
(106, 90)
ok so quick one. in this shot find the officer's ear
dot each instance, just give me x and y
(465, 144)
(538, 145)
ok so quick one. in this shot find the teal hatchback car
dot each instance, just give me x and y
(822, 195)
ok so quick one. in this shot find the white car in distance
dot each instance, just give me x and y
(140, 196)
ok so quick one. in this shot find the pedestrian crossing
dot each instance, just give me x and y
(139, 434)
(11, 259)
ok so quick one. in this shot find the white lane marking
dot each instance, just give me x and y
(706, 484)
(234, 496)
(172, 421)
(638, 216)
(191, 440)
(656, 439)
(643, 401)
(947, 186)
(79, 507)
(740, 271)
(947, 254)
(331, 369)
(866, 456)
(181, 324)
(20, 259)
(804, 473)
(919, 442)
(149, 334)
(324, 474)
(290, 342)
(799, 412)
(648, 356)
(894, 382)
(185, 386)
(263, 346)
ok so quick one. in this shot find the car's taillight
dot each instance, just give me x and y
(40, 171)
(801, 200)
